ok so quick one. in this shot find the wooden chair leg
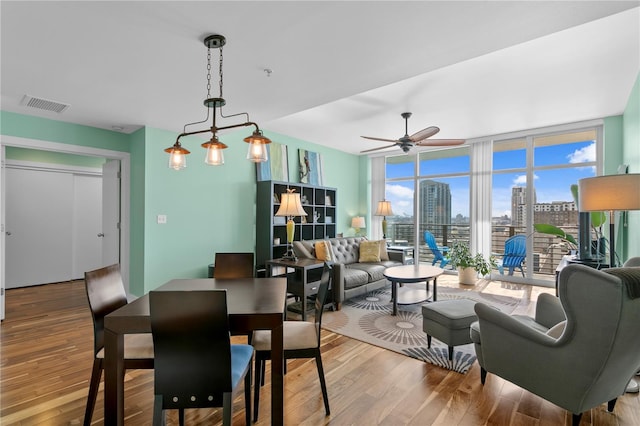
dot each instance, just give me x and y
(323, 384)
(94, 384)
(180, 416)
(158, 413)
(227, 408)
(575, 419)
(450, 353)
(611, 405)
(428, 341)
(259, 382)
(247, 395)
(483, 375)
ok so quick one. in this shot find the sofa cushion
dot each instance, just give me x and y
(354, 278)
(383, 250)
(346, 250)
(369, 251)
(323, 250)
(375, 271)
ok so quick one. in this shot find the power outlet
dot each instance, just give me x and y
(162, 218)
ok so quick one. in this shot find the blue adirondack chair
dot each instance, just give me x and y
(515, 251)
(438, 251)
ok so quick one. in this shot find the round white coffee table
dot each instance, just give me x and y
(412, 274)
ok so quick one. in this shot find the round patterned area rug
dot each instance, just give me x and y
(368, 318)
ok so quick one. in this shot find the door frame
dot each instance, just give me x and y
(125, 189)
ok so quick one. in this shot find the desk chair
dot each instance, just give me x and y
(105, 292)
(233, 265)
(301, 340)
(196, 366)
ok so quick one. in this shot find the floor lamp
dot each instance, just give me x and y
(290, 206)
(610, 193)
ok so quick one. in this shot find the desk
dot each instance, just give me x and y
(412, 274)
(252, 304)
(299, 284)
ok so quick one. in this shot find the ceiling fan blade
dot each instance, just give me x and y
(380, 139)
(424, 133)
(376, 149)
(441, 142)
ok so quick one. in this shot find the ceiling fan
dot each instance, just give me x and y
(419, 138)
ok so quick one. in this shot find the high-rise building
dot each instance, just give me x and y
(435, 202)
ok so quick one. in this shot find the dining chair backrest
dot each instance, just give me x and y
(192, 347)
(234, 265)
(321, 297)
(105, 292)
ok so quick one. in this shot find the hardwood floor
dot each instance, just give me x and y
(46, 345)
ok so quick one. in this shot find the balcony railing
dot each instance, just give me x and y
(547, 250)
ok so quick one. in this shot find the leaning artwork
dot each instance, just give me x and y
(311, 171)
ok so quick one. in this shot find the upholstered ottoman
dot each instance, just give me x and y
(449, 321)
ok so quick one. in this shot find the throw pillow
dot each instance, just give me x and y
(369, 251)
(323, 250)
(383, 250)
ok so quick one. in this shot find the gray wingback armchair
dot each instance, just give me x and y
(576, 364)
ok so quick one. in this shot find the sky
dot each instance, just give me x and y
(509, 171)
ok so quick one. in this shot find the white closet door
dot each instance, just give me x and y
(38, 227)
(87, 224)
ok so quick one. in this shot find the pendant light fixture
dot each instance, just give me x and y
(257, 141)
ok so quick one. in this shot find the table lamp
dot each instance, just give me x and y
(290, 206)
(357, 223)
(610, 193)
(384, 210)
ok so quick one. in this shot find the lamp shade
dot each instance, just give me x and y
(384, 208)
(613, 192)
(357, 222)
(290, 205)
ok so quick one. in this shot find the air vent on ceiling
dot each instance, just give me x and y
(44, 104)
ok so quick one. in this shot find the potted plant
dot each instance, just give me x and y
(469, 265)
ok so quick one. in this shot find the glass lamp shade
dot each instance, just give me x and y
(257, 147)
(215, 155)
(177, 156)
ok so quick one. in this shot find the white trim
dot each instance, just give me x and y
(52, 167)
(125, 176)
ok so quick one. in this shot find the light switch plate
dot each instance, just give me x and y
(162, 218)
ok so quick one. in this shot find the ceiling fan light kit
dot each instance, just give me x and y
(257, 141)
(407, 142)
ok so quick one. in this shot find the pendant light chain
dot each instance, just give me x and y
(208, 73)
(221, 72)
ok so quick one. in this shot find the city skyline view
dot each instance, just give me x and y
(556, 168)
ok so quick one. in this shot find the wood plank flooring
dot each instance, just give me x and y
(46, 346)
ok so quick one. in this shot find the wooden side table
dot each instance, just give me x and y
(299, 282)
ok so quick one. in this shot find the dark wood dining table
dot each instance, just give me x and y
(252, 304)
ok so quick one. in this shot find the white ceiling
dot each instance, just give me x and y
(340, 69)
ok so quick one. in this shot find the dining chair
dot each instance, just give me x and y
(106, 293)
(301, 340)
(234, 265)
(196, 366)
(439, 252)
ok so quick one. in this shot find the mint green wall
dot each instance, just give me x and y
(613, 144)
(211, 209)
(25, 126)
(38, 156)
(631, 156)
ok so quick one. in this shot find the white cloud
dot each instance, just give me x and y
(583, 155)
(399, 191)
